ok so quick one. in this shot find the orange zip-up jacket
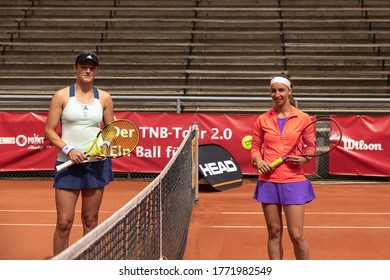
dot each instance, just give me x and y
(270, 144)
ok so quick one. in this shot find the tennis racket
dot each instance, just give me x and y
(117, 139)
(316, 139)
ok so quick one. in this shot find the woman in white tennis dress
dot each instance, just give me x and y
(79, 111)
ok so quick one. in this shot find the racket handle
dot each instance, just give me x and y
(64, 165)
(276, 163)
(69, 163)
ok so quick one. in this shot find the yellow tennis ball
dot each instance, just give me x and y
(246, 142)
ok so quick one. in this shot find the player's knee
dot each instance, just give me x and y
(90, 222)
(297, 237)
(275, 232)
(64, 226)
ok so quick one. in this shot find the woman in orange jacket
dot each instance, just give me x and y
(284, 187)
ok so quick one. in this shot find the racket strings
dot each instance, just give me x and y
(307, 142)
(320, 137)
(122, 136)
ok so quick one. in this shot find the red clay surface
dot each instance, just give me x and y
(345, 222)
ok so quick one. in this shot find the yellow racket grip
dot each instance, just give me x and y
(276, 163)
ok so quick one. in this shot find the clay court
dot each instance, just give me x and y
(345, 222)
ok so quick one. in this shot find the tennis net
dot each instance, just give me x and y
(154, 224)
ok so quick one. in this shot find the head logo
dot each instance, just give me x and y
(218, 167)
(215, 168)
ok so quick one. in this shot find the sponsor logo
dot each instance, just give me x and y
(33, 142)
(219, 167)
(361, 145)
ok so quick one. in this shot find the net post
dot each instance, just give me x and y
(195, 126)
(161, 222)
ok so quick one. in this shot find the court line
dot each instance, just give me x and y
(223, 213)
(306, 227)
(35, 225)
(309, 227)
(44, 211)
(224, 227)
(312, 213)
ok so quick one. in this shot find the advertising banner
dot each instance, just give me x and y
(22, 143)
(23, 146)
(162, 133)
(365, 148)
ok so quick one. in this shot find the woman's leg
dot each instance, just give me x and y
(273, 218)
(91, 201)
(65, 203)
(295, 223)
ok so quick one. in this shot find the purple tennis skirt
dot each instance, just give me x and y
(87, 175)
(286, 193)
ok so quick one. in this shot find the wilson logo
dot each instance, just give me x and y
(360, 145)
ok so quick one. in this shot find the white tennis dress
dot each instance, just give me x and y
(80, 123)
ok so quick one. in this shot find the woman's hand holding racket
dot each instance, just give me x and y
(316, 139)
(76, 157)
(117, 139)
